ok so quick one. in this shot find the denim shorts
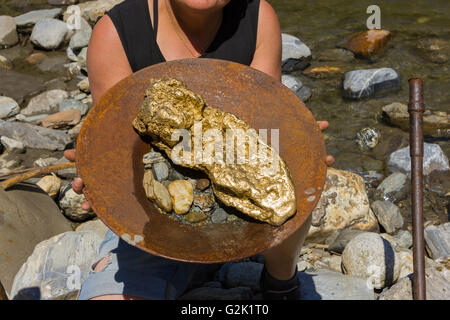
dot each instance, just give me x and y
(133, 272)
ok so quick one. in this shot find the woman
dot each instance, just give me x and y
(139, 33)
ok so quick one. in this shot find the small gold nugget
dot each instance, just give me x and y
(257, 183)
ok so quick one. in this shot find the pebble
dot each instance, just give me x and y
(12, 145)
(49, 33)
(370, 256)
(182, 194)
(437, 239)
(8, 32)
(152, 157)
(219, 215)
(368, 138)
(365, 83)
(196, 215)
(393, 188)
(29, 19)
(83, 85)
(202, 184)
(433, 159)
(388, 215)
(160, 171)
(50, 184)
(205, 201)
(296, 85)
(8, 107)
(5, 63)
(323, 72)
(162, 197)
(45, 103)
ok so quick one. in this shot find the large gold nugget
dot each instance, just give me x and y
(260, 187)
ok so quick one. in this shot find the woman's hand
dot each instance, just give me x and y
(323, 125)
(77, 183)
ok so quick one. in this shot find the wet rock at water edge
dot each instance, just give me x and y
(433, 159)
(296, 85)
(388, 215)
(294, 54)
(368, 138)
(370, 256)
(394, 188)
(8, 33)
(49, 34)
(359, 84)
(368, 43)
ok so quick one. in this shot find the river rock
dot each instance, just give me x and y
(83, 85)
(182, 194)
(8, 107)
(57, 266)
(11, 145)
(403, 239)
(323, 72)
(393, 188)
(45, 103)
(343, 204)
(50, 184)
(73, 104)
(91, 11)
(160, 171)
(70, 203)
(204, 200)
(8, 33)
(81, 37)
(368, 138)
(34, 136)
(368, 43)
(330, 285)
(202, 184)
(49, 34)
(293, 48)
(433, 159)
(95, 225)
(388, 215)
(195, 215)
(296, 85)
(26, 21)
(28, 216)
(61, 119)
(365, 83)
(219, 215)
(370, 256)
(437, 239)
(435, 123)
(437, 285)
(338, 244)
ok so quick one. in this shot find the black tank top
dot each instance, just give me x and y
(235, 41)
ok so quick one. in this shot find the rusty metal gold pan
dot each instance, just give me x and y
(109, 160)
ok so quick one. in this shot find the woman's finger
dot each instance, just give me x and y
(329, 160)
(70, 154)
(77, 185)
(323, 125)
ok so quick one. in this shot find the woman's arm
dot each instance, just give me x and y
(107, 62)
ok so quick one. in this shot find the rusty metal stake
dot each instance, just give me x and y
(416, 108)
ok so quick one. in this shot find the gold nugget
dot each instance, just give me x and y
(256, 181)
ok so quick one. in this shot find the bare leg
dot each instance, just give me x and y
(281, 260)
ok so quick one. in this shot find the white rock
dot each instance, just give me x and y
(343, 204)
(57, 266)
(370, 256)
(45, 103)
(70, 203)
(30, 18)
(49, 34)
(8, 33)
(12, 145)
(293, 48)
(364, 83)
(8, 107)
(50, 184)
(433, 159)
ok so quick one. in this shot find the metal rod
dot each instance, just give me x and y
(416, 108)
